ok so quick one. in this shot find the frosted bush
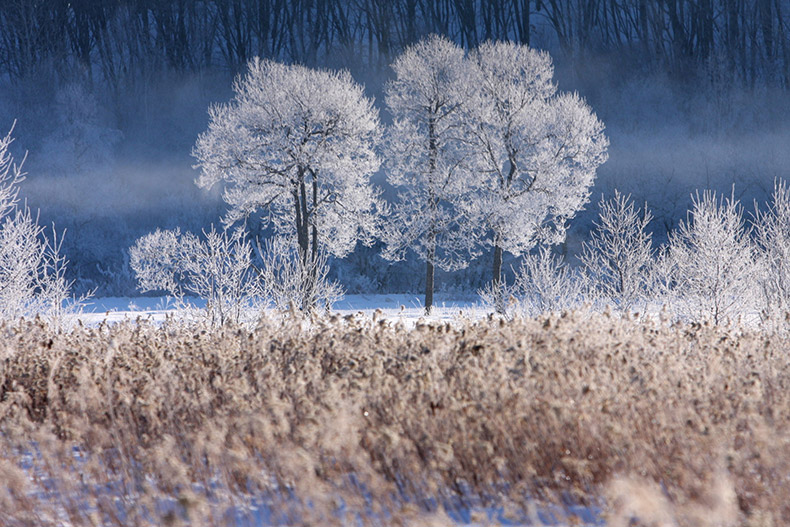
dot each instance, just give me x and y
(618, 256)
(545, 284)
(498, 297)
(216, 268)
(709, 264)
(32, 270)
(772, 235)
(288, 281)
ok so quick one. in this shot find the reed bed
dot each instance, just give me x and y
(355, 420)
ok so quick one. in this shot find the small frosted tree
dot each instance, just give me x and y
(297, 144)
(772, 234)
(537, 151)
(427, 158)
(545, 284)
(710, 260)
(32, 269)
(619, 253)
(284, 278)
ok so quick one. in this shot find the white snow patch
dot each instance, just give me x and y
(406, 308)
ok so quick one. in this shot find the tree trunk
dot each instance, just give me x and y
(428, 286)
(499, 300)
(497, 263)
(313, 269)
(303, 237)
(432, 154)
(300, 238)
(315, 219)
(429, 271)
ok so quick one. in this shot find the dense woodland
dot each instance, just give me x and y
(117, 41)
(110, 97)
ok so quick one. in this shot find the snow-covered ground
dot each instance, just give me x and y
(407, 308)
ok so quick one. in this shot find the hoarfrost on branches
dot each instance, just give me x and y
(537, 151)
(32, 268)
(298, 144)
(427, 158)
(287, 282)
(709, 263)
(545, 284)
(619, 253)
(217, 268)
(772, 234)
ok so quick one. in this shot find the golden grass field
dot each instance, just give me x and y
(360, 421)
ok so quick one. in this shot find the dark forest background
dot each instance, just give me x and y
(110, 95)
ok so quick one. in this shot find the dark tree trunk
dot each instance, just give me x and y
(429, 268)
(303, 237)
(315, 219)
(429, 286)
(497, 263)
(301, 240)
(301, 216)
(499, 301)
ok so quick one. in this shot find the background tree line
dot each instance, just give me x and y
(121, 40)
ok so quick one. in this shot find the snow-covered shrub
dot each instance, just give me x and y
(32, 270)
(618, 256)
(217, 268)
(288, 282)
(498, 297)
(545, 284)
(772, 234)
(709, 264)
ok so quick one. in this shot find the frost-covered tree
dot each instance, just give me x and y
(619, 253)
(427, 158)
(297, 144)
(544, 284)
(216, 268)
(710, 260)
(32, 270)
(772, 234)
(537, 150)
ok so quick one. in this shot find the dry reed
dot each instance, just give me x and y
(356, 420)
